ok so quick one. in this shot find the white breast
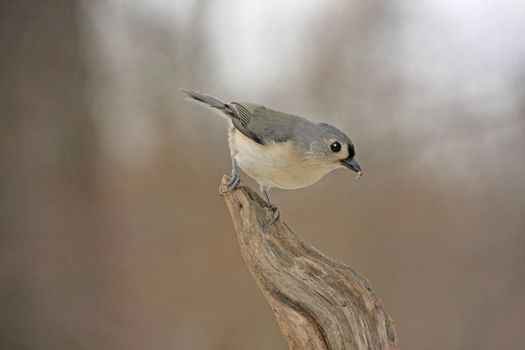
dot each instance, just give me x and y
(275, 164)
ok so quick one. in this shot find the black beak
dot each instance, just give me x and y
(352, 165)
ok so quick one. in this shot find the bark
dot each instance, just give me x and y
(319, 303)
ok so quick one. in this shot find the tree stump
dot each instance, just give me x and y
(319, 303)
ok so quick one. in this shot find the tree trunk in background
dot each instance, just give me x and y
(47, 222)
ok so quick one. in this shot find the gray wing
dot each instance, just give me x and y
(259, 123)
(262, 124)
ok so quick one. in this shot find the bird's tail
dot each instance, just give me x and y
(194, 96)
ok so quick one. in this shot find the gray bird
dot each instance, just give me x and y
(278, 149)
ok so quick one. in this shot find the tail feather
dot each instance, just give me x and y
(204, 98)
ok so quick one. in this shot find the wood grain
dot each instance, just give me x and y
(319, 303)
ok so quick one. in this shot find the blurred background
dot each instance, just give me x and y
(112, 235)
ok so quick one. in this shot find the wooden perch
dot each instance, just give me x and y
(319, 303)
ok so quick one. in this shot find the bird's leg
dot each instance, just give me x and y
(234, 181)
(276, 211)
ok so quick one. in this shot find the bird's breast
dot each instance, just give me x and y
(275, 164)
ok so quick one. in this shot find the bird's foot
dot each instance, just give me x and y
(234, 182)
(276, 213)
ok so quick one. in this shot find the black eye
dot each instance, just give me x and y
(335, 146)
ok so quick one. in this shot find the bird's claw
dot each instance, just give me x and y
(234, 182)
(276, 213)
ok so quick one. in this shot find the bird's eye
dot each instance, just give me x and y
(335, 146)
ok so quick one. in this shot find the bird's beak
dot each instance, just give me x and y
(352, 165)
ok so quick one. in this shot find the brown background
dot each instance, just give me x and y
(112, 235)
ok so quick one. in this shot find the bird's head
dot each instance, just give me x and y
(334, 149)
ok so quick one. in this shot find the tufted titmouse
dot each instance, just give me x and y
(278, 149)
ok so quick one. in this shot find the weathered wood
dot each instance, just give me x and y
(319, 303)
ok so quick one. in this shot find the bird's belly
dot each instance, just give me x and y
(275, 164)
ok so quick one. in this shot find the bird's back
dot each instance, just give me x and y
(262, 125)
(270, 125)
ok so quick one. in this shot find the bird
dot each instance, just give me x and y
(277, 149)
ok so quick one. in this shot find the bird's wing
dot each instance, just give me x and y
(262, 124)
(259, 123)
